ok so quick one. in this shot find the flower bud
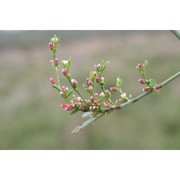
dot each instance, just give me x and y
(88, 82)
(51, 61)
(52, 80)
(96, 95)
(51, 46)
(142, 81)
(90, 88)
(96, 103)
(74, 83)
(146, 89)
(97, 80)
(108, 93)
(94, 73)
(57, 61)
(114, 89)
(65, 72)
(102, 94)
(139, 66)
(99, 66)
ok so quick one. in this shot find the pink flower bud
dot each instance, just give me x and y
(107, 104)
(108, 93)
(65, 72)
(66, 89)
(90, 88)
(142, 81)
(102, 94)
(51, 61)
(96, 103)
(146, 89)
(67, 107)
(94, 73)
(114, 89)
(139, 66)
(96, 94)
(97, 80)
(99, 66)
(74, 83)
(51, 46)
(52, 80)
(88, 83)
(91, 98)
(57, 61)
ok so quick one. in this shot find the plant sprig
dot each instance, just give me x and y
(96, 104)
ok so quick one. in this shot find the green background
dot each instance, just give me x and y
(30, 116)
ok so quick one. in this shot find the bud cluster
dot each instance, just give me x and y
(150, 83)
(98, 103)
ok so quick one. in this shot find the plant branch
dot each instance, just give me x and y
(176, 33)
(147, 93)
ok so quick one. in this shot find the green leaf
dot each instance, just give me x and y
(70, 93)
(118, 82)
(106, 64)
(146, 63)
(55, 87)
(152, 83)
(91, 75)
(130, 96)
(74, 111)
(69, 62)
(86, 114)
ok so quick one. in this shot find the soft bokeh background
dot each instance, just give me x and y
(30, 117)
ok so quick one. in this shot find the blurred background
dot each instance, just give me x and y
(30, 116)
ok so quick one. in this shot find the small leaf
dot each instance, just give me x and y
(55, 87)
(70, 93)
(76, 129)
(86, 114)
(130, 96)
(106, 64)
(91, 75)
(118, 82)
(146, 63)
(69, 62)
(86, 123)
(152, 83)
(74, 111)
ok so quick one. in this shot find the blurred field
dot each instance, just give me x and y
(30, 117)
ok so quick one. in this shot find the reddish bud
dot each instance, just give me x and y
(65, 72)
(52, 80)
(114, 89)
(94, 73)
(96, 103)
(139, 66)
(88, 83)
(97, 80)
(146, 89)
(142, 81)
(107, 104)
(57, 61)
(67, 107)
(51, 46)
(117, 107)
